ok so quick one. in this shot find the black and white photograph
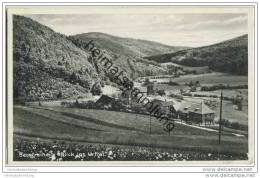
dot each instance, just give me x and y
(129, 85)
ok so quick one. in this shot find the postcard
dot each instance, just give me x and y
(130, 85)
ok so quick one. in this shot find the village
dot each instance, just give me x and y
(179, 105)
(190, 112)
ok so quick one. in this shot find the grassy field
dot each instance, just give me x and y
(199, 70)
(213, 78)
(226, 93)
(117, 128)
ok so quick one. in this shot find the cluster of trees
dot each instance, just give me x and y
(194, 72)
(173, 69)
(192, 61)
(171, 82)
(238, 100)
(232, 125)
(116, 105)
(148, 62)
(187, 94)
(72, 76)
(191, 83)
(201, 95)
(177, 96)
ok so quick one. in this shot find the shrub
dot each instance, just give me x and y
(96, 89)
(187, 94)
(59, 95)
(232, 125)
(235, 125)
(161, 92)
(173, 83)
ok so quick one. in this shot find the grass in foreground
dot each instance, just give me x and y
(115, 129)
(41, 150)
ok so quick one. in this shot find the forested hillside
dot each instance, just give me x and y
(46, 64)
(49, 65)
(229, 56)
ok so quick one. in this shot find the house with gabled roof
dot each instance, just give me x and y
(197, 113)
(105, 102)
(169, 107)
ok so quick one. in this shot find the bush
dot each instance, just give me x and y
(232, 125)
(59, 95)
(187, 94)
(96, 89)
(161, 92)
(82, 105)
(177, 96)
(173, 83)
(235, 125)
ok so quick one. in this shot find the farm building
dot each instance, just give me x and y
(196, 113)
(168, 107)
(107, 102)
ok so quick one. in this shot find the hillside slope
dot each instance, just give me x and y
(229, 56)
(46, 64)
(127, 46)
(126, 53)
(49, 65)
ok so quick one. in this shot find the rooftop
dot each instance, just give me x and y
(199, 108)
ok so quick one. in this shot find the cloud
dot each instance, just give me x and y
(238, 22)
(172, 29)
(240, 19)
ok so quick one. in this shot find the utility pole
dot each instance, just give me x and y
(169, 128)
(220, 117)
(130, 102)
(150, 124)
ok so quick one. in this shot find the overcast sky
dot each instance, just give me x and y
(177, 30)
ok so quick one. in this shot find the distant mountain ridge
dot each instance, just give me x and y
(228, 56)
(127, 53)
(127, 46)
(48, 65)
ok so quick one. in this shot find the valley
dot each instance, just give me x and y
(61, 94)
